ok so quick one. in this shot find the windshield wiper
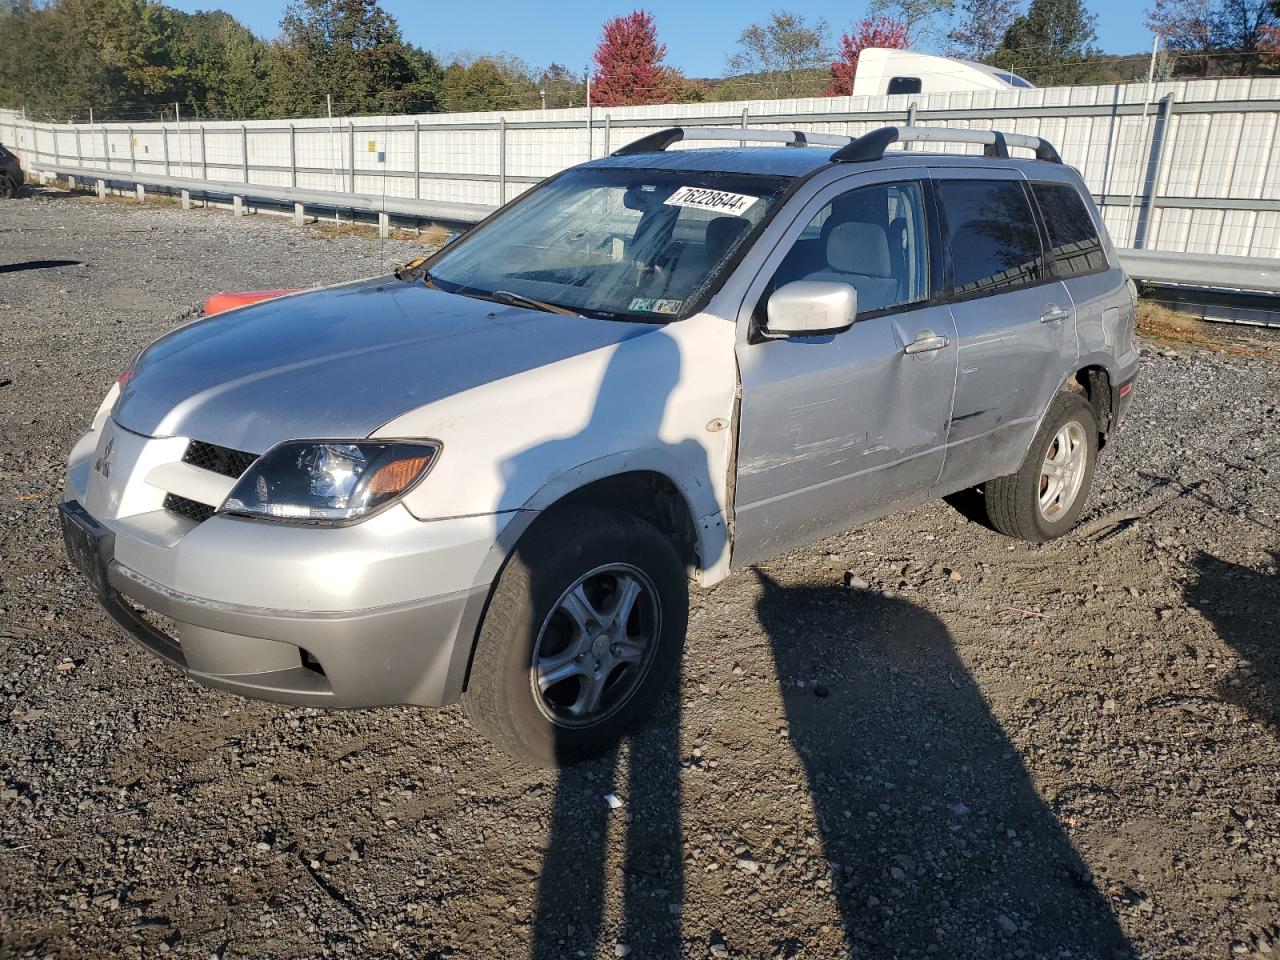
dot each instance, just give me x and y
(416, 270)
(520, 300)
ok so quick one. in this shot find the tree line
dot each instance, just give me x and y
(141, 59)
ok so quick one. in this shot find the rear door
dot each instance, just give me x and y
(1077, 257)
(1015, 323)
(836, 430)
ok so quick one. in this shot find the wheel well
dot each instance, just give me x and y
(645, 494)
(1094, 383)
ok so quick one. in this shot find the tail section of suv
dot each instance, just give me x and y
(490, 477)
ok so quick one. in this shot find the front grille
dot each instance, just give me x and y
(191, 509)
(220, 460)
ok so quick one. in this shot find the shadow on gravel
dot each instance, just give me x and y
(938, 840)
(572, 889)
(1244, 607)
(37, 265)
(576, 877)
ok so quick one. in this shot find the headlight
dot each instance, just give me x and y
(330, 481)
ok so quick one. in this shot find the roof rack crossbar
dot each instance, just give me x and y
(995, 143)
(662, 139)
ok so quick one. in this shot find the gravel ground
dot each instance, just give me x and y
(915, 739)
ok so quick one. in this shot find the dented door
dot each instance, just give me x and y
(837, 430)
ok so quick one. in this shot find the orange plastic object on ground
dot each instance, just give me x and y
(221, 302)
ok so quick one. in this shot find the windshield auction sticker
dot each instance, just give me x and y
(655, 305)
(702, 198)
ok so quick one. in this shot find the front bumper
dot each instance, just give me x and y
(402, 653)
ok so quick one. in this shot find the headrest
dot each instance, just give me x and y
(860, 248)
(721, 233)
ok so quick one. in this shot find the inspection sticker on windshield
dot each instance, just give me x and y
(655, 305)
(702, 198)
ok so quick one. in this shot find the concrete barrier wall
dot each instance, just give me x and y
(1188, 166)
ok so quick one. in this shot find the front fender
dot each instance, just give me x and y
(659, 402)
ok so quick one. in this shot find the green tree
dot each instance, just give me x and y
(920, 16)
(1052, 42)
(224, 66)
(558, 88)
(499, 82)
(352, 50)
(113, 55)
(784, 57)
(982, 25)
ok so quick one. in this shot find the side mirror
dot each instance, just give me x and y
(809, 308)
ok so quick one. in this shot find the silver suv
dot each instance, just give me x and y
(491, 476)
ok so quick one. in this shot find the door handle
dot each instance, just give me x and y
(925, 342)
(1054, 313)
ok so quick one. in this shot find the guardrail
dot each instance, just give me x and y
(241, 194)
(1248, 275)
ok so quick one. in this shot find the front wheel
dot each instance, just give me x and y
(584, 628)
(8, 188)
(1045, 497)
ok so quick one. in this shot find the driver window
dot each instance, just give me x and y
(873, 239)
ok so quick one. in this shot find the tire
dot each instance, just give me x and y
(1014, 503)
(590, 556)
(8, 188)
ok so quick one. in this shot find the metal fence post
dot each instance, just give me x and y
(133, 157)
(608, 123)
(106, 148)
(293, 155)
(502, 160)
(57, 155)
(911, 122)
(351, 171)
(1160, 136)
(417, 159)
(244, 151)
(743, 143)
(204, 161)
(164, 142)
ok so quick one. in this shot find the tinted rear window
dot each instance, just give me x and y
(995, 244)
(1074, 246)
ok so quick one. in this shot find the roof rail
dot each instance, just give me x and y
(659, 141)
(871, 146)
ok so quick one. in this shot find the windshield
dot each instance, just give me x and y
(618, 244)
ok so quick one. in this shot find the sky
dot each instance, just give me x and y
(699, 34)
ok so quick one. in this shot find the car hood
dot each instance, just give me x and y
(339, 362)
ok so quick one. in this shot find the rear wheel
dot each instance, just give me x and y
(8, 188)
(1045, 497)
(585, 626)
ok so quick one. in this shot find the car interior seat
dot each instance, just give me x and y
(858, 254)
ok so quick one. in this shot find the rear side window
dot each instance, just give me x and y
(1074, 246)
(995, 244)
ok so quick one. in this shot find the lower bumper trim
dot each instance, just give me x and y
(416, 653)
(407, 654)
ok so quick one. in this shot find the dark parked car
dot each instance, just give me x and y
(11, 176)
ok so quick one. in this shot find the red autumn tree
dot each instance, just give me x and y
(629, 68)
(868, 32)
